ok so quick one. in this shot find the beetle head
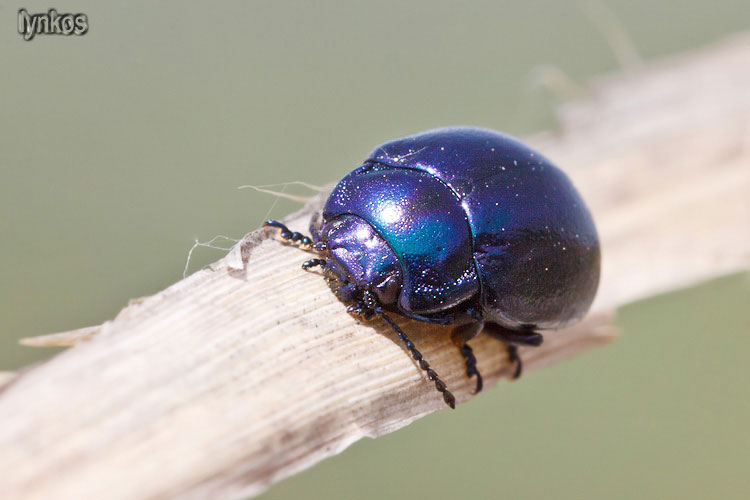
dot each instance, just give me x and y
(359, 260)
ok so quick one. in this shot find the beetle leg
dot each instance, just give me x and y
(439, 320)
(356, 308)
(345, 293)
(448, 397)
(305, 242)
(514, 338)
(364, 307)
(313, 263)
(515, 358)
(460, 335)
(519, 337)
(369, 301)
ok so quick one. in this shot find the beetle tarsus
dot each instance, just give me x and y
(313, 263)
(459, 336)
(471, 366)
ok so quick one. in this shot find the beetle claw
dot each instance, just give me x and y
(515, 358)
(480, 383)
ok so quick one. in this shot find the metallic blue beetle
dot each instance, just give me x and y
(462, 226)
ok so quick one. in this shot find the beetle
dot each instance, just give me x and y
(458, 226)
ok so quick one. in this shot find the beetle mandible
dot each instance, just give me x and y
(462, 226)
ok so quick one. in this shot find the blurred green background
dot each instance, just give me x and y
(119, 148)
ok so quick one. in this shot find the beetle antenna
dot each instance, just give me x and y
(449, 399)
(288, 235)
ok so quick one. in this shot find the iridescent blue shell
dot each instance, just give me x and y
(477, 219)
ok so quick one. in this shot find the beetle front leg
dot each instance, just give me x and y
(313, 263)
